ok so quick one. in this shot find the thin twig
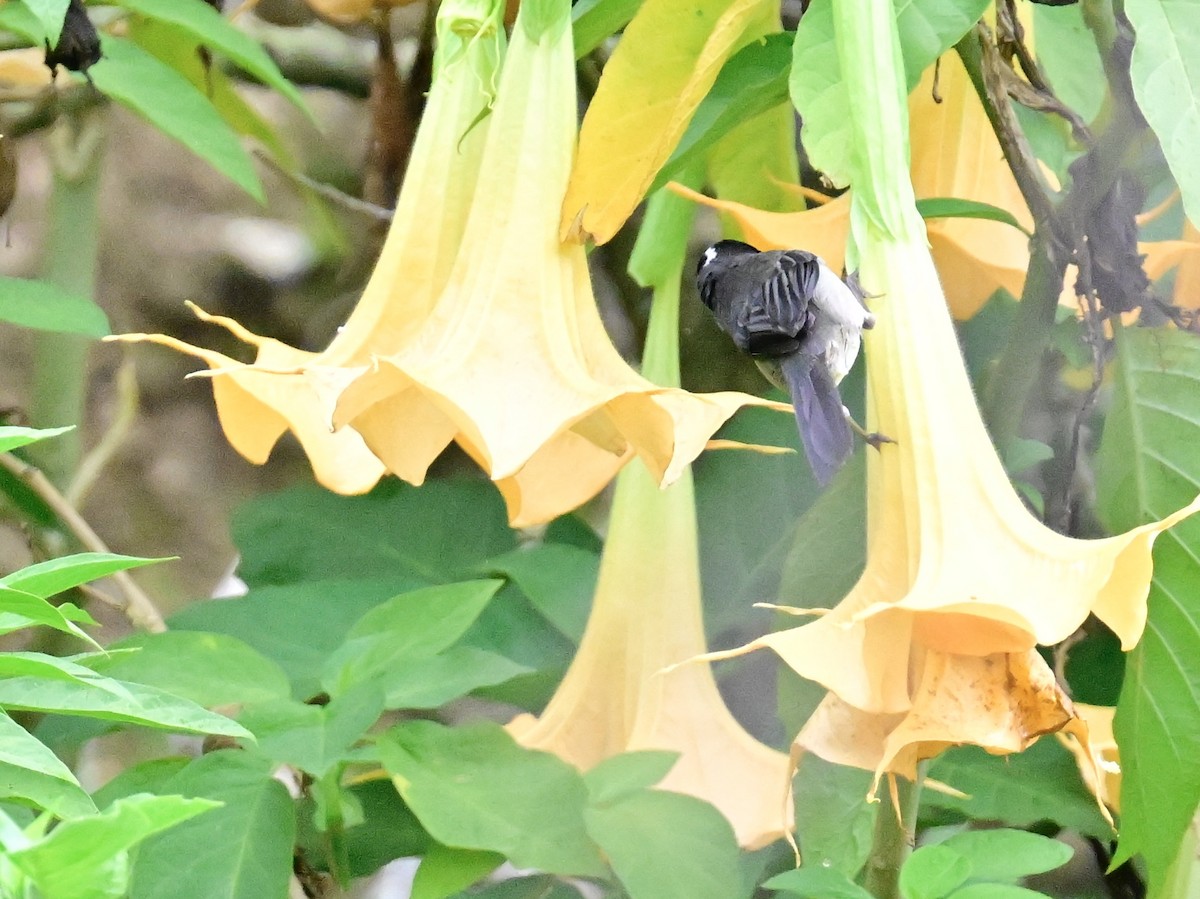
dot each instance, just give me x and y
(138, 607)
(328, 191)
(94, 462)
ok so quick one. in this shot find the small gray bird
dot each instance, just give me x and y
(803, 326)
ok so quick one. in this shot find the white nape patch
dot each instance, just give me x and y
(709, 255)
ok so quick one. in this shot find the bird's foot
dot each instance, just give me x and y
(872, 438)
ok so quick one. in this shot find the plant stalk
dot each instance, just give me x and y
(895, 836)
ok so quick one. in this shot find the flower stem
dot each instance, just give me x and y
(895, 835)
(60, 360)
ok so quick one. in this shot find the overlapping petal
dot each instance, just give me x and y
(513, 363)
(647, 616)
(259, 402)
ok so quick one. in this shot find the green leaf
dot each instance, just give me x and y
(49, 578)
(432, 682)
(559, 580)
(817, 882)
(12, 437)
(541, 886)
(1008, 855)
(277, 621)
(834, 821)
(409, 627)
(1165, 71)
(1020, 455)
(1146, 468)
(47, 307)
(932, 872)
(313, 738)
(752, 81)
(1069, 57)
(214, 31)
(952, 207)
(628, 772)
(84, 857)
(667, 846)
(50, 13)
(209, 669)
(19, 609)
(445, 871)
(1040, 784)
(928, 28)
(30, 771)
(438, 532)
(819, 94)
(995, 891)
(475, 788)
(131, 704)
(159, 94)
(242, 850)
(594, 20)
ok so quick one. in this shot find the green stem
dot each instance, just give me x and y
(895, 835)
(59, 383)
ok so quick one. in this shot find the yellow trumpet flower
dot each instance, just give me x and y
(513, 363)
(934, 644)
(257, 403)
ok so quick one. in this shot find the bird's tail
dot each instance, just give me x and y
(824, 431)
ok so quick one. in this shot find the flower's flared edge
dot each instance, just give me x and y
(1001, 703)
(257, 404)
(1098, 757)
(550, 465)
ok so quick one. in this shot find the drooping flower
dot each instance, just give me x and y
(646, 616)
(258, 403)
(955, 153)
(513, 363)
(934, 644)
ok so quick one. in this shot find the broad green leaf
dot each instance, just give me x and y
(139, 705)
(36, 664)
(1008, 855)
(834, 821)
(411, 626)
(667, 846)
(1147, 468)
(1165, 71)
(134, 78)
(46, 307)
(446, 871)
(242, 850)
(209, 669)
(50, 13)
(214, 31)
(1040, 784)
(438, 532)
(388, 829)
(819, 94)
(278, 621)
(931, 872)
(628, 772)
(314, 738)
(30, 771)
(145, 777)
(664, 65)
(594, 20)
(817, 882)
(754, 80)
(427, 683)
(952, 207)
(475, 788)
(13, 437)
(928, 28)
(1020, 455)
(559, 580)
(541, 886)
(995, 891)
(85, 857)
(46, 579)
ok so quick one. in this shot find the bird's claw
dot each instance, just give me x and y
(876, 440)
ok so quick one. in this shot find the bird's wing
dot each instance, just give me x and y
(775, 317)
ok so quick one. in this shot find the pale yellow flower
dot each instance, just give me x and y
(513, 363)
(1099, 758)
(615, 698)
(258, 403)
